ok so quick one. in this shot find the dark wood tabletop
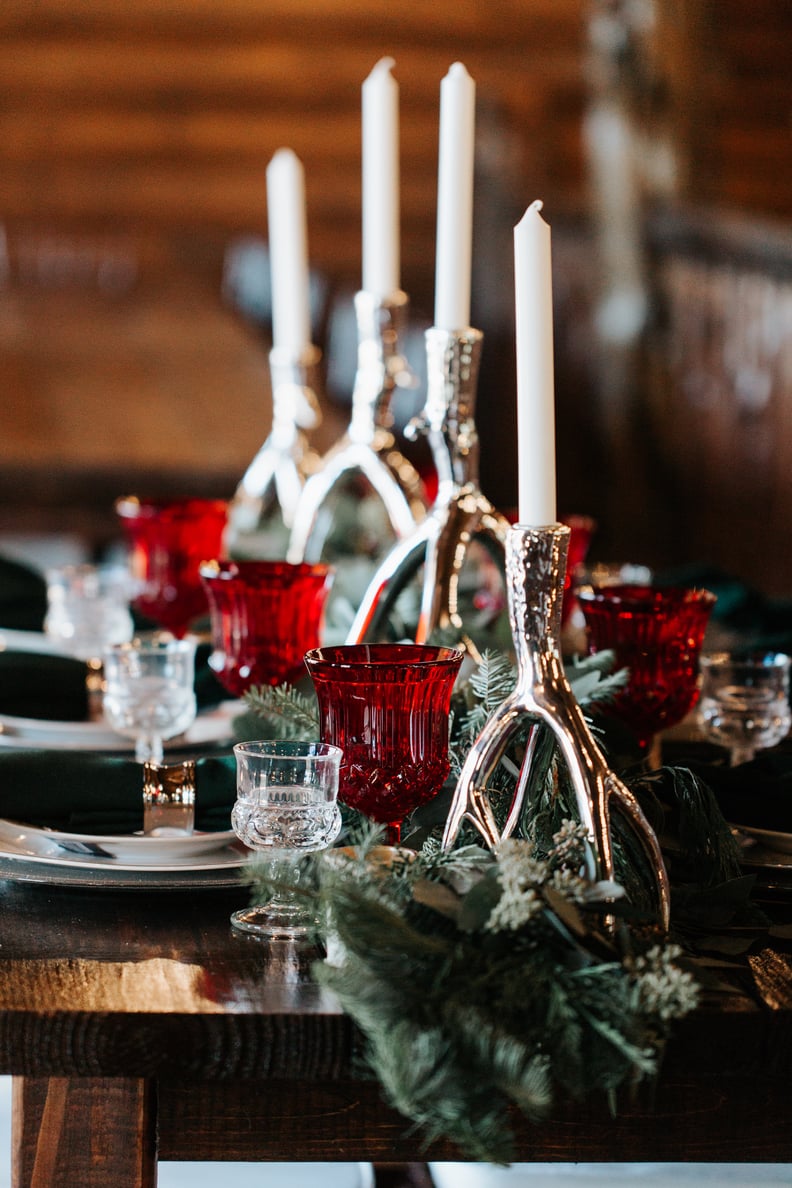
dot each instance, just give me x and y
(140, 1027)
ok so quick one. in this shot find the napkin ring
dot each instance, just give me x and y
(169, 796)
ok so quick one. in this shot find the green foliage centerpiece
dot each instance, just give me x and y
(486, 980)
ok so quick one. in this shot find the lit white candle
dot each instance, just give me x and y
(380, 106)
(455, 200)
(288, 246)
(535, 389)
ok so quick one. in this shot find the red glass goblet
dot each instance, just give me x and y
(386, 706)
(657, 634)
(581, 530)
(168, 540)
(265, 616)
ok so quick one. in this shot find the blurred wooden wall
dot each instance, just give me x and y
(147, 126)
(161, 115)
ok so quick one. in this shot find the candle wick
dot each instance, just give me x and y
(536, 205)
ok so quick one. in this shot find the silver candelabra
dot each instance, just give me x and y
(535, 571)
(368, 447)
(277, 474)
(460, 513)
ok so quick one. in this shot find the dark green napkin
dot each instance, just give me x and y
(87, 793)
(23, 596)
(52, 687)
(39, 685)
(758, 793)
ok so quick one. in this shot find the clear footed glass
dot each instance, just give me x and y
(745, 702)
(149, 691)
(287, 806)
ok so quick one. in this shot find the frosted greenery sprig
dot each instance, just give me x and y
(484, 980)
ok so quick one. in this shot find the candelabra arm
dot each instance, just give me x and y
(368, 446)
(535, 570)
(396, 570)
(278, 470)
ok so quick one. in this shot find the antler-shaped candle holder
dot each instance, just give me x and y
(368, 446)
(535, 569)
(460, 512)
(276, 476)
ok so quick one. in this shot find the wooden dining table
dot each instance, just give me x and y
(139, 1027)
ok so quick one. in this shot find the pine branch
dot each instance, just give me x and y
(286, 709)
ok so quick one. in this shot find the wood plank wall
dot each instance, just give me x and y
(151, 122)
(162, 114)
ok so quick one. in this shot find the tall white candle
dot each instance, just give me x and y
(288, 246)
(455, 200)
(535, 389)
(380, 109)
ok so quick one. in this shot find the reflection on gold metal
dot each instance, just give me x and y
(535, 570)
(169, 796)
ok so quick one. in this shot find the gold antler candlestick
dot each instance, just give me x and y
(368, 446)
(460, 514)
(535, 569)
(276, 476)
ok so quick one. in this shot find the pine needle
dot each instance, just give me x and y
(285, 709)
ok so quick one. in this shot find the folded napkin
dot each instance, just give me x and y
(52, 687)
(39, 685)
(23, 596)
(757, 794)
(87, 793)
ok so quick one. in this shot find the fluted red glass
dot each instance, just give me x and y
(386, 706)
(265, 616)
(657, 634)
(581, 530)
(168, 539)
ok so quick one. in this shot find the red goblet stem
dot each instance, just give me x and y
(393, 833)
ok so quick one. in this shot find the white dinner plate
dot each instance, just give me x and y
(211, 726)
(221, 868)
(12, 640)
(135, 849)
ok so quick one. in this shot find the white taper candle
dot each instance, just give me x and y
(455, 200)
(535, 388)
(380, 110)
(288, 246)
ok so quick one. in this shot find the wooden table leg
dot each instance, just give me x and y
(92, 1132)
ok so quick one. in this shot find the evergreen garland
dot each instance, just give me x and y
(486, 981)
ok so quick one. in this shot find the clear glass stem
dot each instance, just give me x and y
(285, 915)
(739, 755)
(149, 748)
